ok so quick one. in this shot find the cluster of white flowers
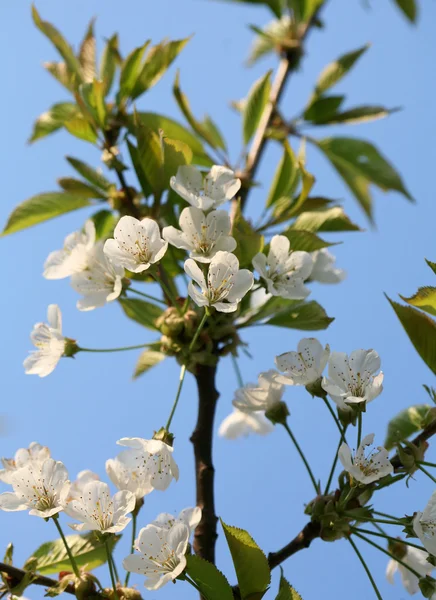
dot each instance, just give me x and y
(41, 485)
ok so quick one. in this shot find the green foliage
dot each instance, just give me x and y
(211, 582)
(306, 316)
(321, 110)
(251, 565)
(147, 360)
(104, 222)
(409, 8)
(90, 174)
(421, 331)
(87, 550)
(141, 311)
(325, 219)
(404, 424)
(43, 207)
(87, 54)
(254, 105)
(285, 178)
(69, 184)
(249, 241)
(286, 591)
(305, 240)
(82, 129)
(335, 71)
(110, 60)
(54, 119)
(130, 71)
(304, 10)
(360, 164)
(425, 299)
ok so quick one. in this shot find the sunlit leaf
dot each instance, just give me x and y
(210, 581)
(326, 219)
(130, 72)
(307, 316)
(109, 61)
(90, 174)
(147, 360)
(69, 184)
(141, 311)
(336, 70)
(81, 128)
(305, 240)
(255, 104)
(53, 119)
(87, 54)
(404, 424)
(425, 299)
(285, 176)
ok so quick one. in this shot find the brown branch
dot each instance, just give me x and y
(205, 534)
(17, 575)
(303, 540)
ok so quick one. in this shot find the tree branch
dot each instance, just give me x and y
(16, 576)
(303, 540)
(205, 534)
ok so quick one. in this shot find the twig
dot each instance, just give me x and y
(18, 574)
(310, 532)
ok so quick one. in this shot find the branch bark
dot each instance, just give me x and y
(303, 540)
(17, 575)
(205, 534)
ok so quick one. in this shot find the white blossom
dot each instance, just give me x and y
(73, 257)
(100, 282)
(217, 187)
(42, 487)
(263, 396)
(154, 462)
(226, 284)
(161, 555)
(304, 366)
(417, 560)
(189, 516)
(35, 454)
(424, 525)
(353, 379)
(284, 271)
(240, 423)
(201, 235)
(99, 511)
(324, 270)
(366, 469)
(83, 478)
(136, 245)
(50, 344)
(127, 472)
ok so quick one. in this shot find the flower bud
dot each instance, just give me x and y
(410, 455)
(427, 585)
(85, 586)
(278, 413)
(129, 593)
(315, 388)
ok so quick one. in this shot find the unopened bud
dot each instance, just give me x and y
(85, 586)
(129, 593)
(427, 585)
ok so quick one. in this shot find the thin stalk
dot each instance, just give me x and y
(359, 429)
(336, 420)
(114, 566)
(382, 514)
(302, 456)
(122, 349)
(237, 371)
(111, 570)
(158, 300)
(365, 566)
(386, 536)
(421, 468)
(183, 371)
(370, 520)
(335, 462)
(67, 548)
(134, 515)
(426, 464)
(398, 560)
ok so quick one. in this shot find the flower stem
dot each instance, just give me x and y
(111, 569)
(425, 463)
(370, 520)
(134, 514)
(335, 462)
(359, 428)
(386, 536)
(336, 420)
(365, 566)
(381, 514)
(122, 349)
(67, 548)
(183, 371)
(399, 561)
(302, 456)
(237, 370)
(421, 468)
(130, 289)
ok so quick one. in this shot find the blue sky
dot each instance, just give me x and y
(87, 404)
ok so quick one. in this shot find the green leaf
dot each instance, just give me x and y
(92, 95)
(321, 110)
(285, 176)
(211, 582)
(251, 565)
(308, 316)
(130, 72)
(305, 240)
(69, 184)
(87, 54)
(135, 157)
(409, 8)
(359, 114)
(432, 265)
(59, 43)
(173, 130)
(176, 154)
(404, 424)
(61, 73)
(90, 174)
(325, 219)
(425, 299)
(214, 133)
(421, 331)
(249, 241)
(151, 155)
(140, 311)
(255, 104)
(9, 553)
(158, 59)
(43, 207)
(109, 61)
(86, 549)
(105, 222)
(273, 36)
(360, 163)
(286, 591)
(53, 119)
(147, 360)
(336, 70)
(260, 313)
(82, 129)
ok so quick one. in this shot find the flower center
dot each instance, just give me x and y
(103, 518)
